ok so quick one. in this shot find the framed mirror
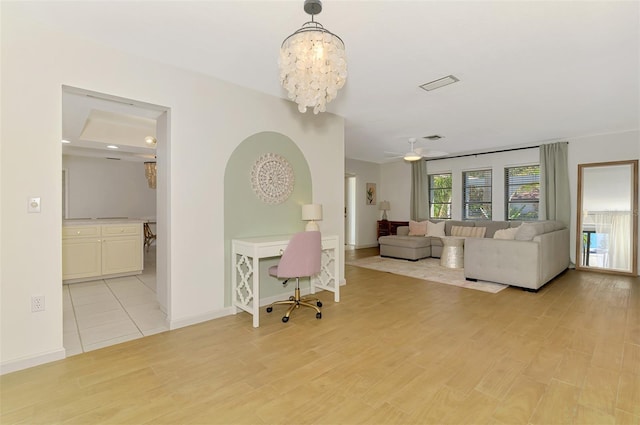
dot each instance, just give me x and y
(607, 222)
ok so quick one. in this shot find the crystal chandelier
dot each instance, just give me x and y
(313, 65)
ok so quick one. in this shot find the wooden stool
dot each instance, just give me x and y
(148, 236)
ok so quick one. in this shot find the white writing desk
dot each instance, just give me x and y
(245, 269)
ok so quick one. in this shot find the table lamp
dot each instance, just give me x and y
(311, 213)
(384, 206)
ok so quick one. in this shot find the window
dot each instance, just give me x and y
(440, 195)
(477, 195)
(522, 192)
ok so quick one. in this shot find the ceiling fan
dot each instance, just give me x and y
(416, 154)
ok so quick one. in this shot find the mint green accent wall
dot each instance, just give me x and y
(246, 215)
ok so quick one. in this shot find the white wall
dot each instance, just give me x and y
(366, 215)
(395, 187)
(208, 119)
(100, 187)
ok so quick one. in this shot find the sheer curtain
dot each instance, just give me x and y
(555, 200)
(617, 226)
(419, 190)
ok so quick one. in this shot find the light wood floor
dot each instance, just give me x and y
(394, 350)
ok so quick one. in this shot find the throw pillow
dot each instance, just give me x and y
(468, 231)
(478, 232)
(527, 231)
(457, 230)
(417, 228)
(435, 229)
(506, 233)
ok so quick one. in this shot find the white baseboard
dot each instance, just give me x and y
(25, 363)
(192, 320)
(375, 245)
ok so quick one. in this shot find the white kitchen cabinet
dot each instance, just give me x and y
(101, 250)
(121, 248)
(81, 252)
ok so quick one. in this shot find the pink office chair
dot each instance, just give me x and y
(301, 258)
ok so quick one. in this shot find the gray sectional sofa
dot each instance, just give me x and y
(531, 254)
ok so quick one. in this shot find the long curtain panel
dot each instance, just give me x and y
(555, 201)
(617, 250)
(419, 191)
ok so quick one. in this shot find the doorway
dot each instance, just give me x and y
(607, 217)
(350, 210)
(123, 119)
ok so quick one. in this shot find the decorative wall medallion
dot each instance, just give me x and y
(272, 178)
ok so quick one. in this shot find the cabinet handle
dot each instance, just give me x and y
(78, 232)
(281, 251)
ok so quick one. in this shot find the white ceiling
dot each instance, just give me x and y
(529, 71)
(92, 121)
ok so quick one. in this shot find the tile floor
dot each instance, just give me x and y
(106, 312)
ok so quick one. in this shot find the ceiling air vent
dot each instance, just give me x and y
(433, 137)
(440, 82)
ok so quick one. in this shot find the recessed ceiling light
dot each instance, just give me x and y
(112, 147)
(441, 82)
(65, 141)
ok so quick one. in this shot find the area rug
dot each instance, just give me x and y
(426, 269)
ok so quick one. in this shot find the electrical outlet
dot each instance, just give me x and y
(37, 303)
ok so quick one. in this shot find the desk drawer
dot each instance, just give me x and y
(271, 250)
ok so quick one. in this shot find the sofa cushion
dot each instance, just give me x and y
(450, 223)
(470, 232)
(528, 230)
(492, 227)
(405, 241)
(402, 231)
(417, 228)
(435, 229)
(509, 233)
(552, 225)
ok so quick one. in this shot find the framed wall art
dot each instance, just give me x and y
(371, 193)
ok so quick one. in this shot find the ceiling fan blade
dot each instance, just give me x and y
(387, 153)
(430, 153)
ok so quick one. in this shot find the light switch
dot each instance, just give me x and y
(34, 205)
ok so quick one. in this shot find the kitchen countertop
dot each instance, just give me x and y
(94, 221)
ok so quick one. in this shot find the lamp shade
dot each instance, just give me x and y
(384, 205)
(312, 212)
